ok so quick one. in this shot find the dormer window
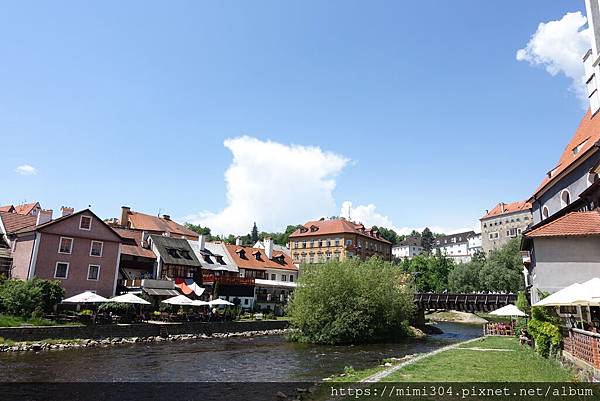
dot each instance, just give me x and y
(241, 252)
(256, 255)
(578, 148)
(314, 228)
(173, 253)
(220, 260)
(303, 229)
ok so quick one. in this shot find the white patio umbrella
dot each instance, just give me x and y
(589, 294)
(508, 310)
(181, 300)
(564, 297)
(220, 301)
(86, 297)
(129, 298)
(199, 303)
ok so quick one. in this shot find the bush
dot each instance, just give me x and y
(351, 302)
(545, 330)
(29, 298)
(115, 307)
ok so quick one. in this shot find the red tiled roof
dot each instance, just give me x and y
(335, 226)
(132, 243)
(572, 224)
(587, 134)
(250, 262)
(13, 222)
(7, 208)
(26, 208)
(505, 208)
(141, 221)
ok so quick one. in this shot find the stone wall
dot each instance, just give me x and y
(135, 330)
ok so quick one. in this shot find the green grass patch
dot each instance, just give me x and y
(16, 321)
(512, 363)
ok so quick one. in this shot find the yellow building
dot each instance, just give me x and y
(336, 239)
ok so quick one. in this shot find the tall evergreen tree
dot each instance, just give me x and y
(254, 234)
(427, 239)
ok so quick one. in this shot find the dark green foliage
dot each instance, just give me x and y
(351, 302)
(29, 298)
(502, 270)
(389, 235)
(464, 278)
(200, 230)
(427, 239)
(523, 303)
(116, 308)
(429, 272)
(254, 234)
(545, 330)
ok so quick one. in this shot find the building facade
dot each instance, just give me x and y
(459, 247)
(408, 248)
(504, 222)
(78, 249)
(336, 239)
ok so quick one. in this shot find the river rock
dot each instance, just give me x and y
(281, 395)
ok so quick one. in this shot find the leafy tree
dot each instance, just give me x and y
(26, 298)
(198, 229)
(254, 234)
(429, 272)
(502, 270)
(388, 234)
(415, 233)
(464, 278)
(351, 302)
(427, 239)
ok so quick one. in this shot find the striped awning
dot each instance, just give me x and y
(160, 292)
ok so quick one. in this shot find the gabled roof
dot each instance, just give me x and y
(336, 226)
(447, 239)
(26, 208)
(13, 222)
(580, 147)
(7, 209)
(276, 248)
(175, 251)
(142, 221)
(211, 256)
(506, 208)
(249, 261)
(572, 224)
(132, 243)
(410, 241)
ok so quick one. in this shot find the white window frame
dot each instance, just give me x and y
(70, 248)
(81, 220)
(545, 212)
(562, 202)
(66, 273)
(88, 272)
(101, 248)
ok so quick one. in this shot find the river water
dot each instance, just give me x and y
(269, 358)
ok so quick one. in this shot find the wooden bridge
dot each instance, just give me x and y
(463, 302)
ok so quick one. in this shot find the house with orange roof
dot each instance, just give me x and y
(336, 239)
(274, 274)
(161, 225)
(504, 222)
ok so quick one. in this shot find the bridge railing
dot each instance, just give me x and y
(463, 302)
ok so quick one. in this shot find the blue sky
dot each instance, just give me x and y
(423, 107)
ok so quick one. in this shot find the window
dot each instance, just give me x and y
(565, 198)
(93, 272)
(85, 223)
(96, 248)
(273, 276)
(246, 301)
(545, 213)
(494, 235)
(348, 242)
(592, 178)
(291, 278)
(65, 245)
(61, 270)
(284, 277)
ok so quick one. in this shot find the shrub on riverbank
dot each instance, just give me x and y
(351, 302)
(29, 298)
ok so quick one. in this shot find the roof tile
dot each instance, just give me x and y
(572, 224)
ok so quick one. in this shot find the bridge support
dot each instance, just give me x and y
(419, 318)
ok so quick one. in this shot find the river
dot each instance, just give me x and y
(268, 358)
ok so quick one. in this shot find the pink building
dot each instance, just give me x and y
(78, 249)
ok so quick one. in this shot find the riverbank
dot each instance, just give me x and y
(456, 317)
(488, 359)
(57, 344)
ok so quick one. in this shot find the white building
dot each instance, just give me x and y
(459, 247)
(407, 249)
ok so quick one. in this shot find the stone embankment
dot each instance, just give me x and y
(51, 345)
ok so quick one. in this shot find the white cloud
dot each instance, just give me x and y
(26, 169)
(368, 215)
(559, 46)
(275, 185)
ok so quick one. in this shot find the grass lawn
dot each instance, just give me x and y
(16, 321)
(492, 359)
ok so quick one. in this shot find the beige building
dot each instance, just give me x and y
(336, 239)
(504, 222)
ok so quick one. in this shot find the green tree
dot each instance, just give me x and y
(388, 234)
(427, 239)
(464, 278)
(429, 272)
(254, 234)
(200, 230)
(502, 270)
(351, 302)
(24, 298)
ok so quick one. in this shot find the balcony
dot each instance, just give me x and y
(526, 257)
(270, 298)
(208, 278)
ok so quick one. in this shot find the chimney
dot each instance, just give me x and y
(125, 216)
(590, 59)
(238, 241)
(201, 241)
(166, 217)
(66, 211)
(44, 216)
(502, 207)
(269, 247)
